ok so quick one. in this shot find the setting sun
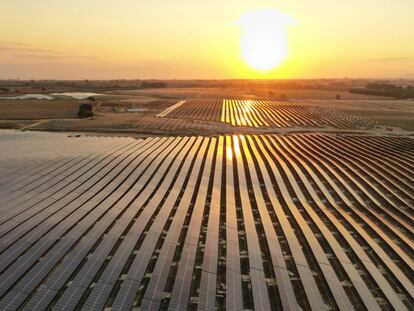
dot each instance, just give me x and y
(264, 43)
(206, 155)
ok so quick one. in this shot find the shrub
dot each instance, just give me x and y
(283, 97)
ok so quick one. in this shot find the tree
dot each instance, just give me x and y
(153, 85)
(85, 111)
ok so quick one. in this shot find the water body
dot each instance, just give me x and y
(76, 95)
(28, 96)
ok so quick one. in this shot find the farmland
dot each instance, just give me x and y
(301, 221)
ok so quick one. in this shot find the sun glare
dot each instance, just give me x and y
(264, 41)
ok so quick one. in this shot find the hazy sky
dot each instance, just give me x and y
(105, 39)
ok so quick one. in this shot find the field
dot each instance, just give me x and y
(38, 109)
(263, 222)
(226, 116)
(248, 92)
(392, 113)
(207, 111)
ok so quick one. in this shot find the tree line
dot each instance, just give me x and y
(386, 89)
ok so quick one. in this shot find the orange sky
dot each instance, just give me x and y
(181, 39)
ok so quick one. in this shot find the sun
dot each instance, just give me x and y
(264, 43)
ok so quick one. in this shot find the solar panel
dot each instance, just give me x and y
(307, 221)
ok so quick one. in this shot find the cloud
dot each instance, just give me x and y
(23, 47)
(393, 59)
(25, 50)
(34, 56)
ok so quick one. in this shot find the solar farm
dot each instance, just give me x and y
(265, 114)
(244, 217)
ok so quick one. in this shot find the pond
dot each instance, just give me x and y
(76, 95)
(28, 96)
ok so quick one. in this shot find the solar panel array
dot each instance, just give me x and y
(261, 222)
(265, 113)
(407, 124)
(199, 109)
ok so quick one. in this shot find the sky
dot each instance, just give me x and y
(198, 39)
